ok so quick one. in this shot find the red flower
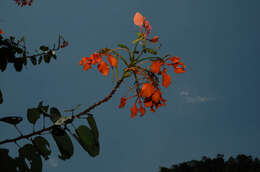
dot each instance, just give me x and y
(154, 39)
(96, 58)
(156, 65)
(1, 32)
(166, 79)
(134, 111)
(122, 102)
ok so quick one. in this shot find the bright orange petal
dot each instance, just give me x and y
(147, 90)
(122, 102)
(166, 79)
(174, 59)
(134, 111)
(103, 68)
(179, 70)
(138, 19)
(155, 67)
(112, 60)
(86, 66)
(156, 96)
(95, 58)
(154, 39)
(142, 110)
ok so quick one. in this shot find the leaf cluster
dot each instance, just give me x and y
(39, 148)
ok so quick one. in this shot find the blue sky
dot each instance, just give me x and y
(211, 109)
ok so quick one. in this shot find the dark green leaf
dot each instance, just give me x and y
(33, 60)
(1, 97)
(40, 60)
(63, 142)
(3, 61)
(44, 108)
(8, 164)
(14, 120)
(33, 114)
(87, 140)
(93, 126)
(18, 64)
(44, 48)
(43, 146)
(47, 58)
(24, 61)
(19, 50)
(30, 153)
(55, 114)
(152, 51)
(123, 46)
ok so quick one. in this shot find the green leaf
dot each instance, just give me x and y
(8, 164)
(30, 153)
(18, 64)
(93, 126)
(47, 58)
(87, 140)
(33, 60)
(55, 114)
(44, 108)
(123, 46)
(1, 97)
(33, 114)
(44, 48)
(14, 120)
(19, 50)
(43, 146)
(40, 60)
(3, 60)
(152, 51)
(63, 142)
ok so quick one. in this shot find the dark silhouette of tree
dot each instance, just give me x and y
(241, 163)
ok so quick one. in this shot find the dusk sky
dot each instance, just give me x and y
(212, 108)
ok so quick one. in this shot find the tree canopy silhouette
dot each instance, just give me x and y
(242, 163)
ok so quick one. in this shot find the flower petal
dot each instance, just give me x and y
(122, 102)
(147, 90)
(103, 67)
(156, 65)
(166, 79)
(134, 111)
(1, 32)
(154, 39)
(179, 70)
(112, 60)
(156, 96)
(142, 110)
(138, 19)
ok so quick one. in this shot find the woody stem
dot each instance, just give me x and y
(119, 82)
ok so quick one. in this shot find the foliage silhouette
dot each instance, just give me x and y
(241, 163)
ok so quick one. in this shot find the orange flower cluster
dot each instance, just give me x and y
(96, 58)
(150, 95)
(1, 32)
(147, 94)
(175, 62)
